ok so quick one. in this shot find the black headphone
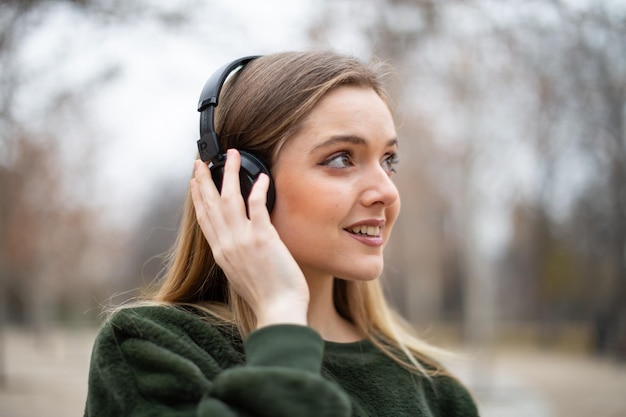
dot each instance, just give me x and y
(209, 146)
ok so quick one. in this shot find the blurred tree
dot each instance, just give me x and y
(53, 244)
(579, 72)
(44, 232)
(56, 254)
(545, 273)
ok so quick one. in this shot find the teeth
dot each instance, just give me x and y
(366, 230)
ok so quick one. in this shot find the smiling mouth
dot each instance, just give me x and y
(365, 230)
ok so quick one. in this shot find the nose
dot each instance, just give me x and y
(379, 188)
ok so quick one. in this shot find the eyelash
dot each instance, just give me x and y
(343, 156)
(389, 163)
(392, 160)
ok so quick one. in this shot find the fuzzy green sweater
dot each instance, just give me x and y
(166, 361)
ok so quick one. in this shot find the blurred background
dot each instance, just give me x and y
(511, 246)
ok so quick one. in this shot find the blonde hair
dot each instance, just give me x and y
(260, 108)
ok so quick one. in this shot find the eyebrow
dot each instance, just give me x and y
(356, 140)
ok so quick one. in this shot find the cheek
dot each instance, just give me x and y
(301, 206)
(391, 215)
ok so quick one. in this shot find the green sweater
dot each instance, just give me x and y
(165, 361)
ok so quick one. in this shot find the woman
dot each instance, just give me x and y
(281, 313)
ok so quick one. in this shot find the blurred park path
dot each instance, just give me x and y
(46, 375)
(542, 383)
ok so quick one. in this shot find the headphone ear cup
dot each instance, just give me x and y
(251, 168)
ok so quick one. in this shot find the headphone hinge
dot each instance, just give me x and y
(208, 147)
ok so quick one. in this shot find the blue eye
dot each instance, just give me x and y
(390, 162)
(339, 160)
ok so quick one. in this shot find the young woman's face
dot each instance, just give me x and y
(336, 203)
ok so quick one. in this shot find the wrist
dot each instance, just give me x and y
(283, 312)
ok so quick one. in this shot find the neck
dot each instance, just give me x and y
(324, 317)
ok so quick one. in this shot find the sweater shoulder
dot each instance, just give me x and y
(452, 397)
(171, 326)
(156, 313)
(132, 318)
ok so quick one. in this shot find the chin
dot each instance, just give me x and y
(361, 274)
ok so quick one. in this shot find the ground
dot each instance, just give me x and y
(46, 375)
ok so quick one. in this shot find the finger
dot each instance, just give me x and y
(231, 188)
(206, 194)
(230, 183)
(202, 212)
(206, 186)
(258, 199)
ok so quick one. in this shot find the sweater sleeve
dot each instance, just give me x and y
(146, 367)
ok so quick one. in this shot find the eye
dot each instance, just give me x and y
(390, 162)
(340, 160)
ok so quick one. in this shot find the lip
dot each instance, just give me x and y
(373, 241)
(368, 222)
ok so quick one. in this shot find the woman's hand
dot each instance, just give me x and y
(255, 260)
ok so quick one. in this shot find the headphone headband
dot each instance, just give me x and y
(208, 144)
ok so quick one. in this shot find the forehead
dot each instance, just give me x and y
(354, 111)
(349, 103)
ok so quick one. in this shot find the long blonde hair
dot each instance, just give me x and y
(260, 108)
